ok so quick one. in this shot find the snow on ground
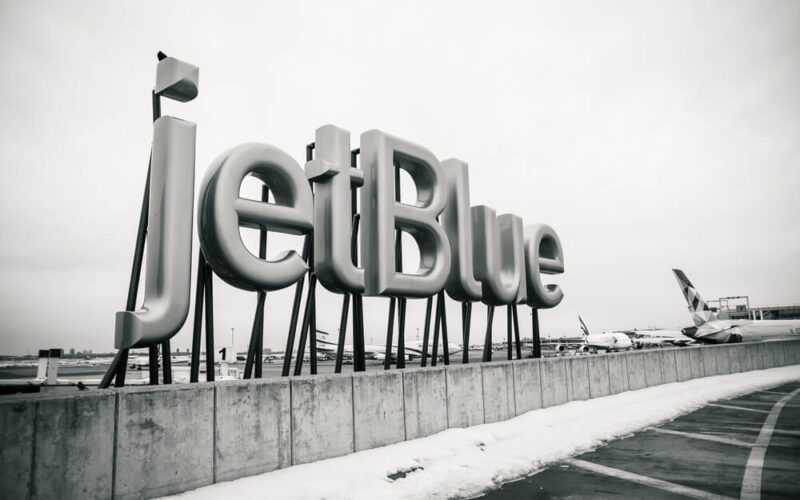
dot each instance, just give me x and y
(465, 462)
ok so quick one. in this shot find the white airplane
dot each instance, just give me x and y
(614, 341)
(712, 330)
(658, 338)
(378, 352)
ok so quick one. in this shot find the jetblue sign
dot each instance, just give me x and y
(469, 251)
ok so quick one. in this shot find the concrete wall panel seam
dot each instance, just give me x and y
(402, 388)
(353, 408)
(446, 392)
(114, 452)
(291, 424)
(214, 436)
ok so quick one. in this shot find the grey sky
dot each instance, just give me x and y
(650, 135)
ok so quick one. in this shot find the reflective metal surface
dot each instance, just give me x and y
(221, 212)
(333, 179)
(177, 79)
(543, 255)
(457, 222)
(169, 246)
(381, 215)
(498, 251)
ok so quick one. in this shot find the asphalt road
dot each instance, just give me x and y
(724, 450)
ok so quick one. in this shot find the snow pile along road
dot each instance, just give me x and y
(464, 462)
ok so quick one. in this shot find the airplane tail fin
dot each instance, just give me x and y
(698, 308)
(583, 326)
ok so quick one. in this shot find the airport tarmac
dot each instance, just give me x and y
(709, 453)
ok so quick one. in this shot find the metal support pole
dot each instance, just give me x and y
(152, 350)
(466, 320)
(426, 332)
(152, 355)
(359, 361)
(445, 342)
(509, 327)
(209, 282)
(166, 360)
(262, 254)
(312, 325)
(487, 341)
(537, 342)
(255, 349)
(252, 349)
(346, 298)
(401, 301)
(342, 332)
(436, 323)
(516, 332)
(119, 380)
(194, 370)
(298, 296)
(118, 371)
(401, 332)
(387, 358)
(301, 346)
(112, 370)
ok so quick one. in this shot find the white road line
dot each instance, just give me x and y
(645, 480)
(705, 437)
(775, 392)
(751, 483)
(731, 407)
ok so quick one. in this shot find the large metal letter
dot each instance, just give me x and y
(382, 215)
(499, 255)
(334, 177)
(169, 246)
(221, 212)
(457, 222)
(543, 255)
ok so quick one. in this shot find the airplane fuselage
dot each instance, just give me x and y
(613, 341)
(724, 331)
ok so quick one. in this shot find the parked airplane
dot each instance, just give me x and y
(614, 341)
(378, 352)
(712, 330)
(658, 338)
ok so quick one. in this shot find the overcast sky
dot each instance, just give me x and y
(650, 135)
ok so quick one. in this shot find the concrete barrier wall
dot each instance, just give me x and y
(264, 405)
(143, 442)
(554, 380)
(378, 415)
(636, 376)
(578, 378)
(527, 386)
(498, 391)
(617, 372)
(599, 373)
(424, 401)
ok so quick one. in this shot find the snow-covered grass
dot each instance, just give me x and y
(464, 462)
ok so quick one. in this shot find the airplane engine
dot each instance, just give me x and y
(560, 348)
(583, 348)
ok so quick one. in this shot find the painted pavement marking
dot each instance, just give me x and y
(645, 480)
(705, 437)
(731, 407)
(751, 483)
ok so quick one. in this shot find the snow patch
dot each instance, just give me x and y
(465, 462)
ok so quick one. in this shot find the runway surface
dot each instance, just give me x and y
(745, 447)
